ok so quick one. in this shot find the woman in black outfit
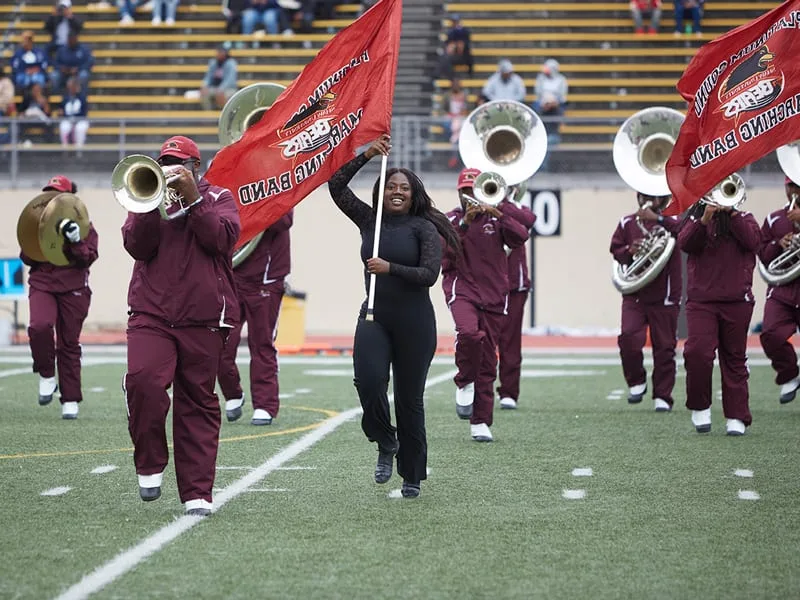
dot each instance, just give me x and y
(403, 333)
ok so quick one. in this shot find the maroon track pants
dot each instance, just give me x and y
(186, 358)
(477, 332)
(720, 327)
(663, 323)
(780, 324)
(510, 346)
(63, 314)
(261, 311)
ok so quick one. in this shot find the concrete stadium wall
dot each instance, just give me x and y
(573, 270)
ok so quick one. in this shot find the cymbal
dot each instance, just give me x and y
(63, 206)
(28, 225)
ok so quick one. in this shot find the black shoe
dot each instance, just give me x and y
(199, 512)
(383, 470)
(703, 428)
(150, 494)
(409, 490)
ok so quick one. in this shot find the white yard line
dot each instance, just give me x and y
(104, 469)
(582, 472)
(748, 495)
(56, 491)
(574, 494)
(127, 560)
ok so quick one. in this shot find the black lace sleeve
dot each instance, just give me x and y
(430, 257)
(359, 212)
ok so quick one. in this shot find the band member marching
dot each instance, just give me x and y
(655, 305)
(59, 299)
(476, 290)
(721, 242)
(260, 284)
(782, 308)
(510, 338)
(182, 304)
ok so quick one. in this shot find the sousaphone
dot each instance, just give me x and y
(41, 223)
(507, 142)
(243, 110)
(641, 150)
(786, 266)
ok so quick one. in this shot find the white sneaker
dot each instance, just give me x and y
(233, 408)
(636, 393)
(662, 405)
(47, 387)
(198, 507)
(734, 427)
(701, 419)
(464, 399)
(126, 20)
(481, 432)
(69, 410)
(169, 22)
(261, 417)
(789, 390)
(156, 21)
(508, 403)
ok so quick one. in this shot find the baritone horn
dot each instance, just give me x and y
(243, 110)
(785, 267)
(728, 193)
(507, 142)
(641, 150)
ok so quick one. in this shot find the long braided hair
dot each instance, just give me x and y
(721, 219)
(422, 206)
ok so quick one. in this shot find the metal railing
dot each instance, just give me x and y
(30, 148)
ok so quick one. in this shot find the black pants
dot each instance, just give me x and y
(406, 339)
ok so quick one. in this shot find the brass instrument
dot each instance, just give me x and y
(641, 149)
(243, 110)
(507, 142)
(41, 224)
(786, 266)
(141, 185)
(728, 193)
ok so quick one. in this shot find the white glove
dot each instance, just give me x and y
(70, 231)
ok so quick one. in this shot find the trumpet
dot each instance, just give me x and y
(141, 185)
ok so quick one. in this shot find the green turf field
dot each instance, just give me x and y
(659, 517)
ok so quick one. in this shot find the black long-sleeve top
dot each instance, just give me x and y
(410, 244)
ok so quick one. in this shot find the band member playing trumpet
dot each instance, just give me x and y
(782, 308)
(260, 283)
(721, 243)
(403, 332)
(656, 305)
(59, 300)
(182, 305)
(476, 290)
(510, 339)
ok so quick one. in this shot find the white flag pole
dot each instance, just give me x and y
(377, 240)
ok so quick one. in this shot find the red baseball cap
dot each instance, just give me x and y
(58, 183)
(466, 178)
(788, 181)
(180, 147)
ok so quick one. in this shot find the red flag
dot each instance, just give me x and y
(743, 91)
(341, 100)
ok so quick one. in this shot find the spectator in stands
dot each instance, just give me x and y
(127, 8)
(505, 84)
(219, 83)
(694, 8)
(551, 96)
(75, 111)
(60, 25)
(456, 113)
(639, 8)
(166, 9)
(28, 64)
(73, 60)
(459, 38)
(34, 105)
(232, 10)
(6, 93)
(267, 12)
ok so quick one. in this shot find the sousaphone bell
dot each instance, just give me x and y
(507, 142)
(243, 110)
(40, 226)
